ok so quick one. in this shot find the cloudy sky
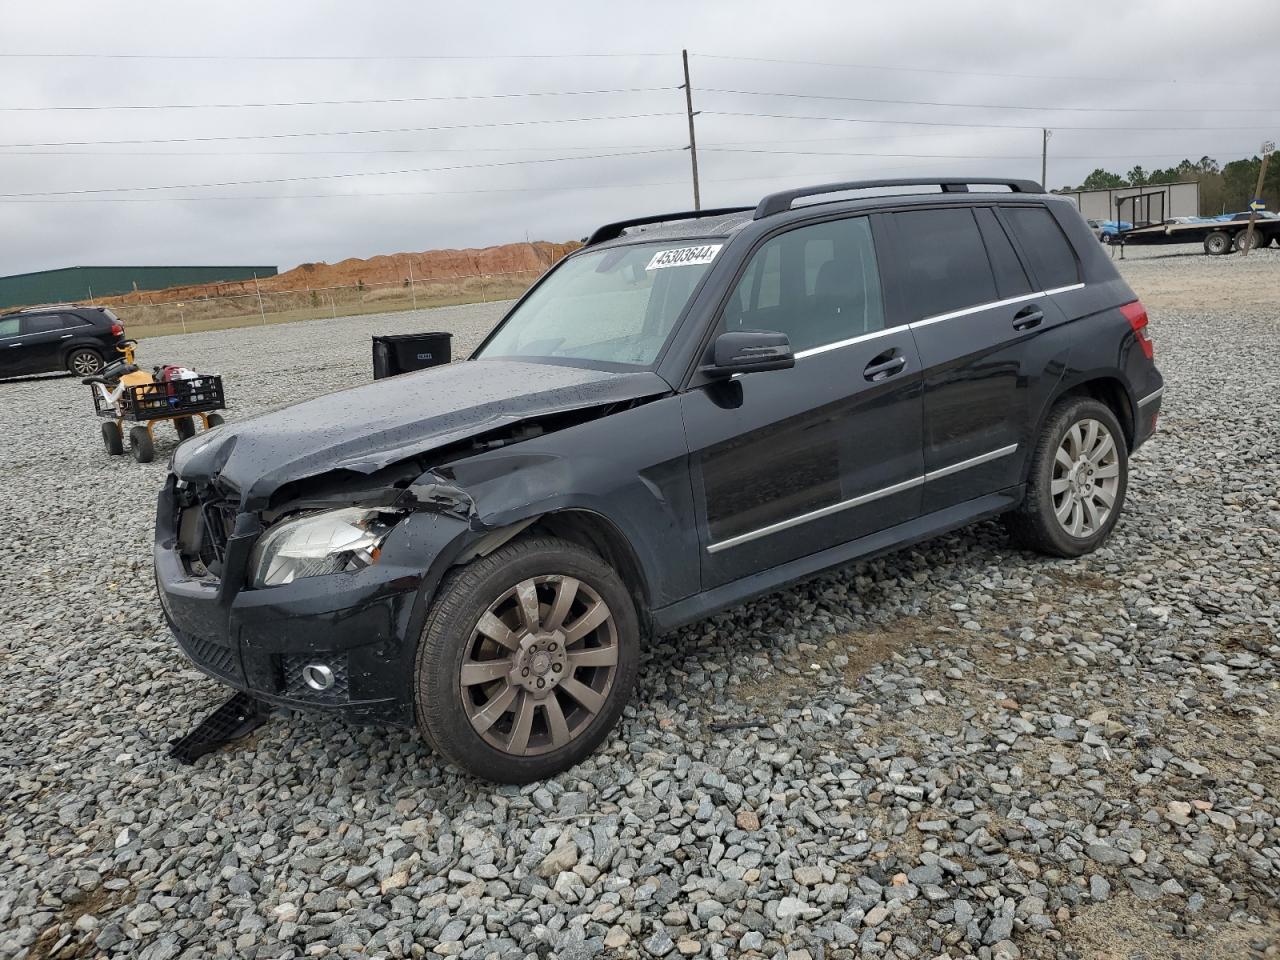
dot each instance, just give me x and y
(379, 127)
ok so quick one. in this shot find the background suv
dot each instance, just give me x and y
(80, 340)
(690, 410)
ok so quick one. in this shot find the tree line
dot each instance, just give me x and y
(1223, 189)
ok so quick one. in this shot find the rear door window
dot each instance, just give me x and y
(46, 323)
(1051, 257)
(9, 327)
(944, 261)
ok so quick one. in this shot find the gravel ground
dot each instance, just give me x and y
(956, 750)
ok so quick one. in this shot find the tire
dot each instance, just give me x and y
(1035, 524)
(112, 438)
(1239, 240)
(84, 362)
(489, 590)
(186, 427)
(140, 445)
(1105, 238)
(1217, 243)
(215, 420)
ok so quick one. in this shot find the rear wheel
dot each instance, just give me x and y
(215, 420)
(1077, 481)
(1217, 243)
(526, 661)
(1241, 241)
(112, 438)
(84, 362)
(140, 445)
(185, 426)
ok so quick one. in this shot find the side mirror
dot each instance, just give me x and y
(749, 351)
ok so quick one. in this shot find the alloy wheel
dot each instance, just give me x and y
(539, 665)
(85, 363)
(1086, 478)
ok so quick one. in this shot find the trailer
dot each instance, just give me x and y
(1219, 235)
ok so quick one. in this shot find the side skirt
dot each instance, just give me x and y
(934, 524)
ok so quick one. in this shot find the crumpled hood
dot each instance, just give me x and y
(369, 427)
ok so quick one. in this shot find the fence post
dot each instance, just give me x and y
(333, 307)
(412, 292)
(484, 295)
(182, 317)
(261, 312)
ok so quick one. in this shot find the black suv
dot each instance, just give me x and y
(80, 340)
(691, 410)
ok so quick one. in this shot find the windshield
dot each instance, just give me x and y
(614, 306)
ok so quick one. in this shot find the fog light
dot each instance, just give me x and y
(317, 676)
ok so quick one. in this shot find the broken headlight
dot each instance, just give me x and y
(334, 541)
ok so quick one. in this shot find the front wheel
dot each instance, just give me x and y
(1217, 243)
(527, 660)
(141, 446)
(1077, 481)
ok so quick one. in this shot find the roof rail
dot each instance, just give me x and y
(612, 230)
(784, 199)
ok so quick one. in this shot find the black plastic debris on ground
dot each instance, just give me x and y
(234, 720)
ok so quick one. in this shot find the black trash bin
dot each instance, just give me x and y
(405, 352)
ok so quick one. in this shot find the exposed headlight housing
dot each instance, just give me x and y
(334, 541)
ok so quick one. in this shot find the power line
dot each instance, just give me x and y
(325, 153)
(975, 126)
(424, 193)
(336, 176)
(1132, 77)
(338, 103)
(324, 57)
(989, 106)
(335, 133)
(955, 156)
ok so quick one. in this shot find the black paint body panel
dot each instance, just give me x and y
(689, 474)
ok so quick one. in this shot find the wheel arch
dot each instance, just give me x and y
(1106, 388)
(602, 536)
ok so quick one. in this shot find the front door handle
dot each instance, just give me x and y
(66, 336)
(884, 366)
(1028, 317)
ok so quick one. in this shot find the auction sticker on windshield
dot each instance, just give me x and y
(684, 256)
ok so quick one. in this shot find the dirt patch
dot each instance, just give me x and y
(99, 902)
(1123, 928)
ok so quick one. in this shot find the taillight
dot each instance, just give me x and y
(117, 330)
(1136, 314)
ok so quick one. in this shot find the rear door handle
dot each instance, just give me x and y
(884, 366)
(1028, 317)
(66, 336)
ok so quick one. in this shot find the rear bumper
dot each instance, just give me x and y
(361, 626)
(1148, 415)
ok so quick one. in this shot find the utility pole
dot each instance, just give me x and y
(1267, 149)
(1045, 134)
(261, 312)
(693, 139)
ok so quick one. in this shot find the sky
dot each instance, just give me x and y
(507, 121)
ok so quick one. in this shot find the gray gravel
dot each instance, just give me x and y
(956, 750)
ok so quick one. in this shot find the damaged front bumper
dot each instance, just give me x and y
(342, 642)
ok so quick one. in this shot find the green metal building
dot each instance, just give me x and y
(81, 284)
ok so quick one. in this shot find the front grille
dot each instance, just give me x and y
(211, 656)
(296, 688)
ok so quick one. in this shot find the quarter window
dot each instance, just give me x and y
(1011, 279)
(944, 261)
(817, 284)
(1045, 245)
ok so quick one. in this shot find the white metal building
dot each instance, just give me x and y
(1153, 203)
